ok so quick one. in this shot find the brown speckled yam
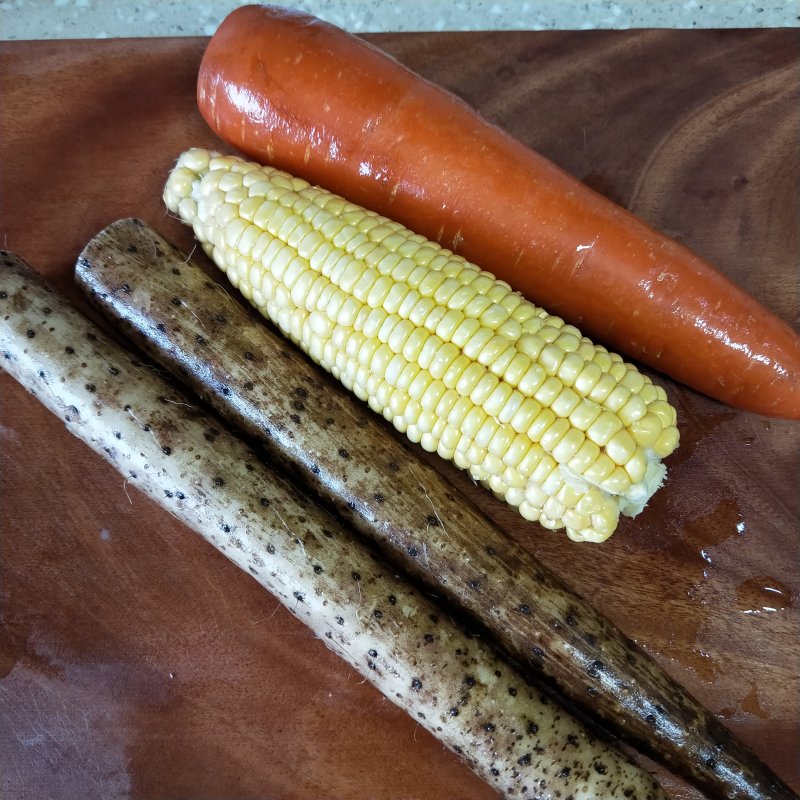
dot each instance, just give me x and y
(520, 741)
(263, 385)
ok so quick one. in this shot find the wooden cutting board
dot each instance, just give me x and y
(136, 661)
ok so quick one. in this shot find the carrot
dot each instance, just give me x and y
(288, 89)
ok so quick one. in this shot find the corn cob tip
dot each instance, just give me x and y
(557, 426)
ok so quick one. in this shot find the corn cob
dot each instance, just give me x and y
(557, 426)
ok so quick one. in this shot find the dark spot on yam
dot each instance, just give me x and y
(298, 596)
(132, 248)
(538, 652)
(113, 370)
(344, 454)
(512, 691)
(361, 422)
(219, 481)
(340, 620)
(221, 318)
(497, 673)
(453, 712)
(564, 772)
(294, 418)
(176, 301)
(474, 584)
(595, 668)
(572, 739)
(248, 385)
(469, 680)
(525, 760)
(651, 719)
(590, 639)
(30, 333)
(393, 466)
(315, 469)
(330, 421)
(495, 771)
(491, 551)
(180, 495)
(532, 729)
(126, 288)
(271, 549)
(200, 339)
(90, 387)
(69, 350)
(3, 295)
(570, 620)
(225, 390)
(47, 310)
(432, 520)
(711, 762)
(377, 613)
(600, 768)
(356, 576)
(226, 528)
(166, 450)
(371, 665)
(176, 271)
(317, 569)
(490, 727)
(523, 608)
(373, 653)
(413, 552)
(392, 600)
(167, 493)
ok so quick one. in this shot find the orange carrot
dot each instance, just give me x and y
(290, 90)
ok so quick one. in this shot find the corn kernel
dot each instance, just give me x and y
(604, 427)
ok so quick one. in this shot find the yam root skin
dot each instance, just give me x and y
(292, 91)
(317, 430)
(506, 730)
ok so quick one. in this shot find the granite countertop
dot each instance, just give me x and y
(68, 19)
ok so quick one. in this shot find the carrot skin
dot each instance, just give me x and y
(290, 90)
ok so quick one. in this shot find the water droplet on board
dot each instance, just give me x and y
(750, 704)
(762, 595)
(704, 666)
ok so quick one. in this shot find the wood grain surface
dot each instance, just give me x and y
(137, 662)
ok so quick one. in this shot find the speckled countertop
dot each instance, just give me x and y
(62, 19)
